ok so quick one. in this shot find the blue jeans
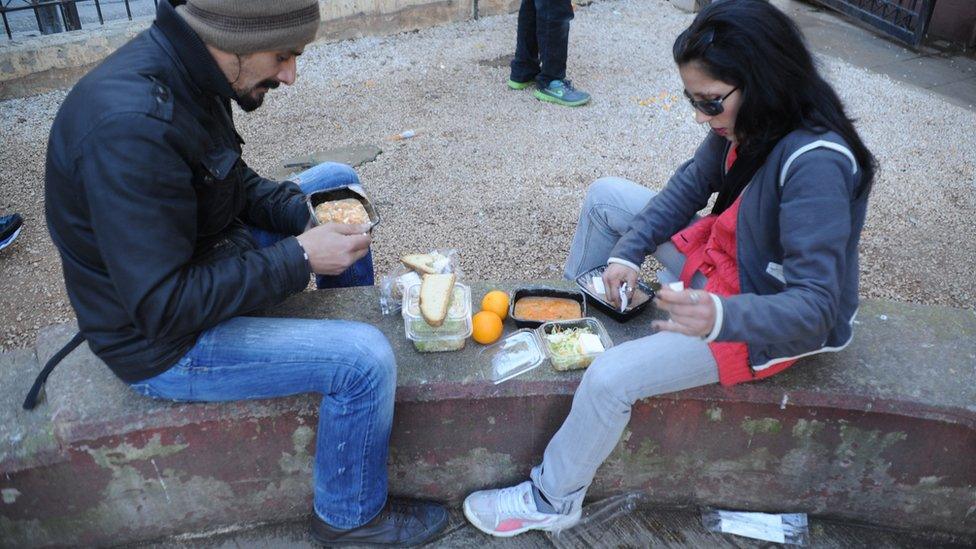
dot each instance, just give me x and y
(350, 364)
(327, 175)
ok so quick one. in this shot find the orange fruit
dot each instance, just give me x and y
(486, 327)
(496, 301)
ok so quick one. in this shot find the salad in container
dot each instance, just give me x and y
(566, 344)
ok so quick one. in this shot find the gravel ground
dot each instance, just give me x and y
(500, 176)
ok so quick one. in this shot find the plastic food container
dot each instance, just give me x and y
(449, 336)
(519, 293)
(584, 281)
(355, 192)
(527, 349)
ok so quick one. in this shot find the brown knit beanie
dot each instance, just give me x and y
(247, 26)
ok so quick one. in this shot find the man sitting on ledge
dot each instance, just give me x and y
(167, 237)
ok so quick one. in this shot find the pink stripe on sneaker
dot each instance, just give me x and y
(509, 524)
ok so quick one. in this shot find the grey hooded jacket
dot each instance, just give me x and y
(797, 234)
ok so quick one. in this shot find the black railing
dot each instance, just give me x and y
(53, 16)
(905, 20)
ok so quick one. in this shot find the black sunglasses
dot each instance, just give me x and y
(710, 107)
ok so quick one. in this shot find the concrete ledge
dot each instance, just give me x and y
(45, 63)
(26, 440)
(884, 432)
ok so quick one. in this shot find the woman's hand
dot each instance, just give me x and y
(613, 276)
(692, 312)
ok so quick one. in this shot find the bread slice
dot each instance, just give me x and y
(422, 263)
(436, 292)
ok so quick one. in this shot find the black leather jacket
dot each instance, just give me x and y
(147, 198)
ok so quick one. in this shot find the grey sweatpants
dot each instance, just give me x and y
(656, 364)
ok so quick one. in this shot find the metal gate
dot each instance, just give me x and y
(905, 20)
(51, 16)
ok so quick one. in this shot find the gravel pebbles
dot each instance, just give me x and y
(500, 176)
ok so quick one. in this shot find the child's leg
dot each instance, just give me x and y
(525, 66)
(552, 30)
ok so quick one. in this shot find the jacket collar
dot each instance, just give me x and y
(196, 58)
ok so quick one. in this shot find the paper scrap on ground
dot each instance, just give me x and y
(777, 528)
(753, 525)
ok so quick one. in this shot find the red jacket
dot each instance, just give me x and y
(709, 246)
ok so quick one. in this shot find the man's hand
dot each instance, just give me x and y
(692, 312)
(333, 247)
(613, 276)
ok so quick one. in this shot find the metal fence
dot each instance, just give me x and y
(905, 20)
(53, 16)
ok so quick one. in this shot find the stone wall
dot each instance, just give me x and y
(883, 433)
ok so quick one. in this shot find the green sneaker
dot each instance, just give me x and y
(562, 92)
(519, 85)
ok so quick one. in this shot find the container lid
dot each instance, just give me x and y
(526, 349)
(456, 325)
(514, 355)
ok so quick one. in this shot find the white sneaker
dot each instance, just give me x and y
(510, 511)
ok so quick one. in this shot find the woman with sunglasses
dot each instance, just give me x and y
(771, 271)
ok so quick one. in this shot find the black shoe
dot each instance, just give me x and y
(403, 522)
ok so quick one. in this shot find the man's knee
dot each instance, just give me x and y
(376, 356)
(344, 172)
(328, 175)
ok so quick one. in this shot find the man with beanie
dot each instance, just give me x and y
(167, 238)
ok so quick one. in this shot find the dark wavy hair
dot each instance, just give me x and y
(757, 48)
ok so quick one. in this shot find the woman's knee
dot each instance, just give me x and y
(600, 190)
(603, 381)
(615, 191)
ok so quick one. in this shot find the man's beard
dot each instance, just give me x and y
(248, 101)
